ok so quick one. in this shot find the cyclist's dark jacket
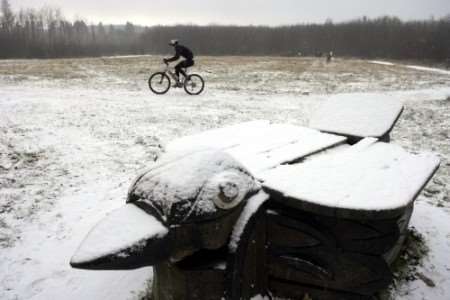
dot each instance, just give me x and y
(182, 51)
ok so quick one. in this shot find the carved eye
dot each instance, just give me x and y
(228, 195)
(228, 188)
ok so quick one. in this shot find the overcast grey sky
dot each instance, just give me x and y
(243, 12)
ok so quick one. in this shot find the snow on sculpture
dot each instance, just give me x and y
(269, 209)
(200, 186)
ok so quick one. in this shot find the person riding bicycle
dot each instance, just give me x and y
(184, 52)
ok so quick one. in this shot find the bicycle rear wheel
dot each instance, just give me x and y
(159, 83)
(194, 84)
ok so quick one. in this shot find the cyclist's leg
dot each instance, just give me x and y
(188, 64)
(179, 69)
(183, 65)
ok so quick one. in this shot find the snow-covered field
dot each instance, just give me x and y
(74, 133)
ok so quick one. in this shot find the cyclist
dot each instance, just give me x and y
(184, 52)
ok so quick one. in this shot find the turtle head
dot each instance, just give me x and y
(186, 202)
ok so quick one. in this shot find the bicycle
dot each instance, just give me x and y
(160, 83)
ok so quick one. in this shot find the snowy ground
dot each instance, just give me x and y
(74, 133)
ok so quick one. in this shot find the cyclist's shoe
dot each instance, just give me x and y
(177, 84)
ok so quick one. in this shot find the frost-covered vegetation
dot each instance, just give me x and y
(75, 132)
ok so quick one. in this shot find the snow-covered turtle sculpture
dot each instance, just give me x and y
(270, 209)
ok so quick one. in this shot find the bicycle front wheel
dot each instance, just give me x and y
(194, 84)
(159, 83)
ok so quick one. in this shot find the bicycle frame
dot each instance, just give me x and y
(172, 74)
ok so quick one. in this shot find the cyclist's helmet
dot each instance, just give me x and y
(173, 42)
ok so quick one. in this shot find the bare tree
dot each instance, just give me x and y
(7, 19)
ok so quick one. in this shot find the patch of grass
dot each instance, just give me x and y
(411, 256)
(405, 268)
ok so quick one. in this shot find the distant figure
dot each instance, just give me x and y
(329, 56)
(184, 52)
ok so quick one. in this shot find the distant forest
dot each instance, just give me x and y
(45, 33)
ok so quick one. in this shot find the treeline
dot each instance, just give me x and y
(46, 33)
(386, 37)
